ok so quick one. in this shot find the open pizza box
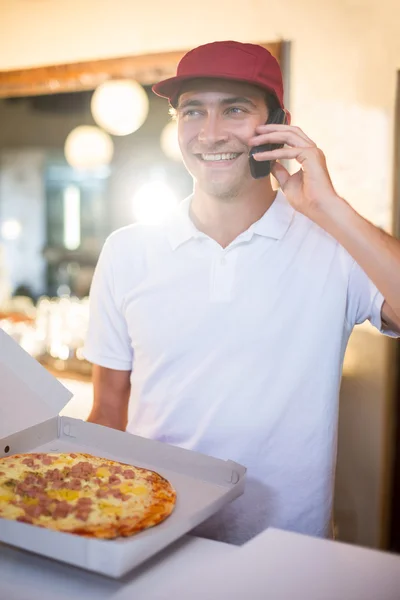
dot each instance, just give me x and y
(30, 402)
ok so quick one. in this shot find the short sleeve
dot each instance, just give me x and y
(107, 341)
(364, 301)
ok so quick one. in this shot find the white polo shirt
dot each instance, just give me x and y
(236, 353)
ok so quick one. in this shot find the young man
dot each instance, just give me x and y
(225, 328)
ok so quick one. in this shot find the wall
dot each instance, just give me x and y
(344, 59)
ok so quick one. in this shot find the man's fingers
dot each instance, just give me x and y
(280, 154)
(302, 155)
(289, 138)
(280, 173)
(261, 129)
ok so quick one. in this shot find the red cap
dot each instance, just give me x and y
(249, 63)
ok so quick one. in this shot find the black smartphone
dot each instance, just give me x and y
(262, 168)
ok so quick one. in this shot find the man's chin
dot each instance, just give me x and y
(221, 190)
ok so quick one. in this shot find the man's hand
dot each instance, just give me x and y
(310, 189)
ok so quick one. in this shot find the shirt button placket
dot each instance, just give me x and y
(221, 280)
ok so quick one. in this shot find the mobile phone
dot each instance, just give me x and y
(262, 168)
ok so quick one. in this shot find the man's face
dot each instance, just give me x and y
(215, 121)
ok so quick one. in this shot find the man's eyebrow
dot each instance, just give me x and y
(189, 102)
(225, 102)
(238, 100)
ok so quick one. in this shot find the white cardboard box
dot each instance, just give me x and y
(30, 400)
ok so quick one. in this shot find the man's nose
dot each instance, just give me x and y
(213, 131)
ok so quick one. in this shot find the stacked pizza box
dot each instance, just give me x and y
(30, 402)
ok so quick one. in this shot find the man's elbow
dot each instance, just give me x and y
(112, 420)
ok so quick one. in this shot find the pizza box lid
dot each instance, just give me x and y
(29, 394)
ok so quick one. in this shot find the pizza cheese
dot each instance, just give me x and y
(83, 494)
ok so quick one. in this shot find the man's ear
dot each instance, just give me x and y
(288, 116)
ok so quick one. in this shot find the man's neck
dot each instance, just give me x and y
(224, 220)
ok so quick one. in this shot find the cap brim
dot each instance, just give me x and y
(170, 88)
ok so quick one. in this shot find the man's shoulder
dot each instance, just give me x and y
(305, 226)
(136, 236)
(305, 232)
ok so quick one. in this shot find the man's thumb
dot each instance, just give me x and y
(280, 173)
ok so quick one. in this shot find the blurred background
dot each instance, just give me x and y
(80, 157)
(66, 182)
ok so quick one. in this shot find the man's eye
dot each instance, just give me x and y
(235, 110)
(188, 114)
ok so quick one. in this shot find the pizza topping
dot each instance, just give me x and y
(114, 479)
(116, 470)
(75, 484)
(58, 485)
(62, 510)
(103, 471)
(34, 510)
(83, 514)
(120, 495)
(101, 493)
(10, 483)
(23, 519)
(83, 508)
(85, 502)
(29, 462)
(21, 489)
(35, 479)
(54, 475)
(72, 455)
(82, 469)
(129, 474)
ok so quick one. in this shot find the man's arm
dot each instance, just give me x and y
(111, 397)
(377, 253)
(310, 191)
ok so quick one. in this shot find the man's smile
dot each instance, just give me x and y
(218, 159)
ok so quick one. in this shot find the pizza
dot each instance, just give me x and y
(83, 494)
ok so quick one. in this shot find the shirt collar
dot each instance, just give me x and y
(273, 224)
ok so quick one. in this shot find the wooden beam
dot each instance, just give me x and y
(55, 79)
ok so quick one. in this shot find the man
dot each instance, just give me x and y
(227, 325)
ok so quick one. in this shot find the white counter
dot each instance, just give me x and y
(24, 576)
(277, 565)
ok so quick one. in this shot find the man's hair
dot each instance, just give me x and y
(270, 100)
